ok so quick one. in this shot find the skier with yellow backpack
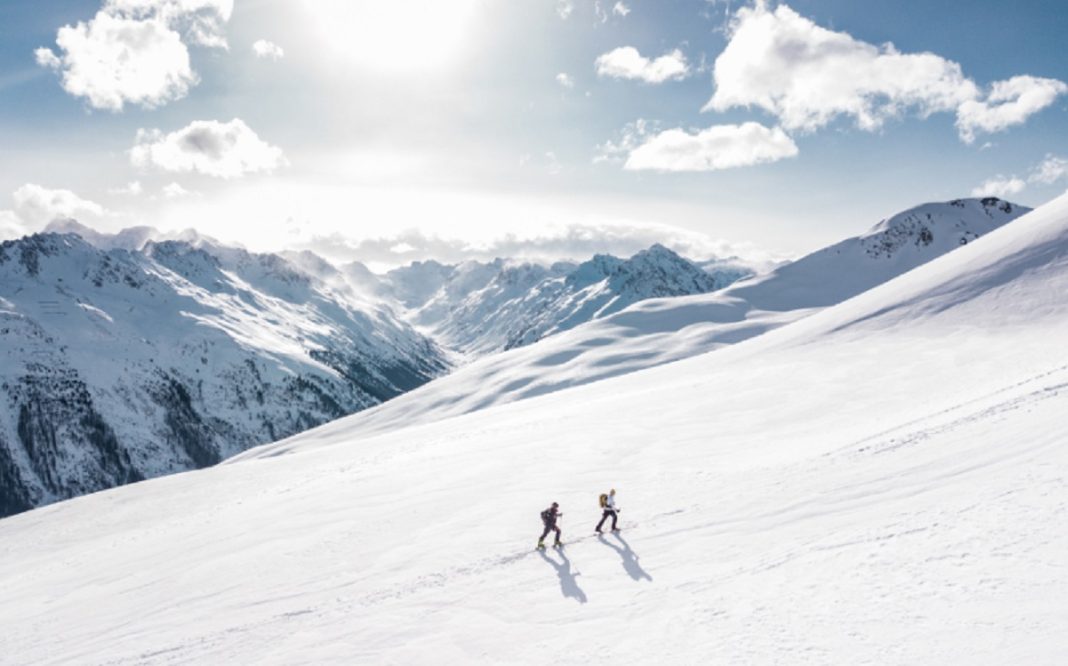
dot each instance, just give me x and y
(609, 509)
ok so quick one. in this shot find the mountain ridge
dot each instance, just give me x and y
(119, 365)
(659, 331)
(772, 491)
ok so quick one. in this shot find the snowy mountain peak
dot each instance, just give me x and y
(131, 238)
(658, 271)
(956, 222)
(485, 307)
(119, 364)
(882, 482)
(894, 246)
(30, 253)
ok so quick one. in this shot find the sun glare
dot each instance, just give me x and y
(393, 35)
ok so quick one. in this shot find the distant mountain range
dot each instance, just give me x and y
(129, 356)
(480, 308)
(656, 331)
(119, 364)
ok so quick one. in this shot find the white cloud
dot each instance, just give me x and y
(1052, 169)
(574, 242)
(565, 80)
(132, 189)
(552, 164)
(1047, 172)
(547, 162)
(807, 76)
(133, 51)
(174, 191)
(112, 61)
(223, 150)
(202, 21)
(10, 226)
(36, 206)
(715, 148)
(265, 49)
(564, 8)
(632, 135)
(620, 9)
(46, 58)
(626, 62)
(1000, 186)
(599, 11)
(1009, 103)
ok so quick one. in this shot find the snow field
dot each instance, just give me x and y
(881, 482)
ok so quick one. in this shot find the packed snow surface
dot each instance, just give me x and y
(881, 482)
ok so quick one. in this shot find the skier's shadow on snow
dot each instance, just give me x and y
(629, 557)
(568, 585)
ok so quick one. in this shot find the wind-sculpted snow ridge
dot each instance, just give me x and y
(156, 357)
(882, 481)
(662, 330)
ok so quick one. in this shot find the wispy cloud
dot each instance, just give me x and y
(715, 148)
(1000, 186)
(1048, 172)
(131, 189)
(565, 80)
(269, 50)
(553, 243)
(174, 191)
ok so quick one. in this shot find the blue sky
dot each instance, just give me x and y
(392, 131)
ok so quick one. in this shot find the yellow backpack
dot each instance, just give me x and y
(604, 500)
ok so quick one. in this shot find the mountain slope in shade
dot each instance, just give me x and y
(119, 365)
(882, 478)
(661, 330)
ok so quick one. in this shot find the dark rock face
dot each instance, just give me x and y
(64, 443)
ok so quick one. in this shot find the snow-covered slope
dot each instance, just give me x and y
(479, 308)
(118, 365)
(882, 482)
(661, 330)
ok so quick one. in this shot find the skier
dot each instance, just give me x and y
(548, 517)
(608, 506)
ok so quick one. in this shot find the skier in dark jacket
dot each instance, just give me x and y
(548, 517)
(610, 510)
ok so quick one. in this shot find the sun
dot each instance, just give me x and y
(393, 35)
